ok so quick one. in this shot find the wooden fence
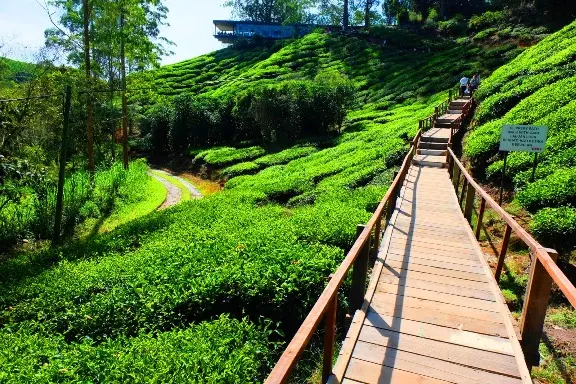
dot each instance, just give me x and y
(326, 306)
(543, 270)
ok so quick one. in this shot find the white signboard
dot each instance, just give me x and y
(524, 138)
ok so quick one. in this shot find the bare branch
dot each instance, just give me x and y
(70, 38)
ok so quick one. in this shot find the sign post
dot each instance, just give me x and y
(522, 138)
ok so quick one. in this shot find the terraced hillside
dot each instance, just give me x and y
(197, 293)
(538, 87)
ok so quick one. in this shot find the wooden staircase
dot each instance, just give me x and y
(433, 144)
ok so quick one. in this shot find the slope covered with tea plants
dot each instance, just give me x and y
(213, 286)
(537, 87)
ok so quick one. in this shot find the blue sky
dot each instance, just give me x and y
(22, 25)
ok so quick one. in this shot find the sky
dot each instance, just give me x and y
(22, 25)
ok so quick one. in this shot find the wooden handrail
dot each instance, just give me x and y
(326, 304)
(539, 284)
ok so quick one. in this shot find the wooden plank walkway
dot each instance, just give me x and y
(433, 312)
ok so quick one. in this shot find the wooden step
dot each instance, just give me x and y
(432, 145)
(431, 152)
(432, 139)
(430, 161)
(443, 124)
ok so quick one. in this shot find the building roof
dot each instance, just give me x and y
(225, 25)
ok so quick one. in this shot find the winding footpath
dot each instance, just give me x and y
(174, 195)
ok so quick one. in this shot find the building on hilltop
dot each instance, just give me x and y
(229, 31)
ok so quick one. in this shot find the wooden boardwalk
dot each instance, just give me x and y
(433, 312)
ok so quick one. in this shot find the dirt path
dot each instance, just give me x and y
(194, 192)
(174, 195)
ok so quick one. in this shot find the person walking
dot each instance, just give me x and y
(475, 82)
(463, 85)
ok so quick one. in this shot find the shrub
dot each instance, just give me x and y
(240, 169)
(453, 27)
(555, 227)
(553, 191)
(487, 20)
(156, 125)
(224, 350)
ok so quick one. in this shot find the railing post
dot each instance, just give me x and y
(480, 216)
(329, 337)
(449, 159)
(449, 95)
(376, 242)
(456, 177)
(534, 310)
(359, 271)
(464, 188)
(503, 251)
(470, 193)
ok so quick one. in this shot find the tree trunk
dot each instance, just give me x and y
(367, 13)
(90, 102)
(345, 16)
(111, 101)
(124, 106)
(443, 9)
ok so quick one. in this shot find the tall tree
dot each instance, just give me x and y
(345, 15)
(272, 11)
(368, 4)
(90, 32)
(86, 10)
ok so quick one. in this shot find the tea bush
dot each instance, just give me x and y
(555, 190)
(556, 227)
(224, 350)
(538, 87)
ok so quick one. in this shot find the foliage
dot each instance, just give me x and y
(282, 112)
(489, 19)
(264, 246)
(538, 87)
(228, 155)
(15, 71)
(196, 354)
(552, 191)
(30, 215)
(272, 11)
(556, 227)
(240, 169)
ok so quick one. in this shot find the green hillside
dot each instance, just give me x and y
(538, 87)
(13, 70)
(210, 290)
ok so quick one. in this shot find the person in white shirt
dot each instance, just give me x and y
(463, 85)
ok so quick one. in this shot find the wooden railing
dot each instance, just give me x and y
(543, 270)
(442, 108)
(326, 306)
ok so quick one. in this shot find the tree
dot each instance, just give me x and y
(368, 4)
(272, 11)
(345, 16)
(90, 31)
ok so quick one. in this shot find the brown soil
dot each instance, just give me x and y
(564, 340)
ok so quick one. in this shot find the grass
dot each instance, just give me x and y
(126, 212)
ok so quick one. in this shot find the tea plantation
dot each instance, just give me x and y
(537, 87)
(210, 290)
